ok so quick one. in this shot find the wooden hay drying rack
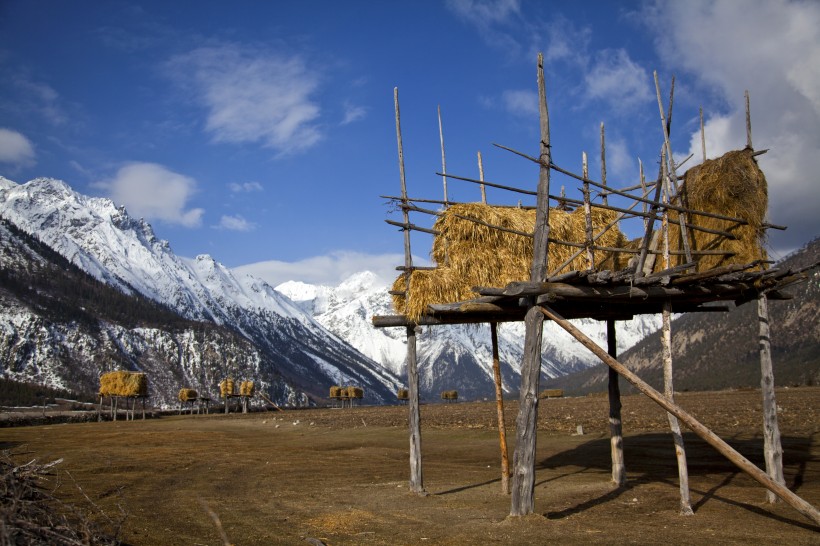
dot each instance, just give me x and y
(604, 295)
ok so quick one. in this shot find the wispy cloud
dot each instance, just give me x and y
(253, 96)
(615, 78)
(15, 149)
(330, 269)
(37, 97)
(772, 49)
(154, 193)
(245, 187)
(353, 113)
(235, 223)
(520, 102)
(489, 17)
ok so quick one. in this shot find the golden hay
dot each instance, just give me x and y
(403, 394)
(470, 254)
(355, 392)
(187, 395)
(226, 388)
(731, 185)
(336, 391)
(246, 388)
(123, 383)
(449, 395)
(552, 393)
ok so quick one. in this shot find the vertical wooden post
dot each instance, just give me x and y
(443, 158)
(499, 404)
(587, 214)
(523, 484)
(668, 387)
(671, 174)
(668, 391)
(772, 447)
(702, 136)
(616, 438)
(99, 409)
(414, 419)
(604, 194)
(481, 177)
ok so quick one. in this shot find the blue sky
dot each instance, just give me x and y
(263, 133)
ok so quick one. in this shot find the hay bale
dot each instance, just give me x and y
(403, 394)
(336, 392)
(226, 388)
(187, 395)
(449, 395)
(246, 388)
(552, 393)
(355, 392)
(732, 185)
(469, 254)
(123, 383)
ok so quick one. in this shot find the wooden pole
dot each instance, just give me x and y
(523, 479)
(702, 136)
(772, 447)
(693, 424)
(443, 158)
(499, 404)
(414, 420)
(604, 193)
(666, 345)
(481, 177)
(674, 426)
(684, 235)
(587, 215)
(616, 439)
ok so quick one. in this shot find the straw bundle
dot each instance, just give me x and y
(403, 394)
(470, 254)
(353, 392)
(246, 388)
(449, 395)
(732, 185)
(552, 393)
(336, 392)
(123, 383)
(226, 388)
(187, 395)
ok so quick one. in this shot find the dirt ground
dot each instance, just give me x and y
(340, 475)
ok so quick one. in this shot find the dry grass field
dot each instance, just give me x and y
(340, 476)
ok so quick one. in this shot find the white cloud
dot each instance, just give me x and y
(253, 96)
(330, 269)
(15, 149)
(615, 78)
(521, 102)
(154, 193)
(40, 98)
(245, 187)
(771, 48)
(235, 223)
(353, 113)
(487, 16)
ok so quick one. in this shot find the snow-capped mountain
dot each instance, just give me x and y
(105, 242)
(455, 356)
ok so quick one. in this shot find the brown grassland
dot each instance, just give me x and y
(340, 475)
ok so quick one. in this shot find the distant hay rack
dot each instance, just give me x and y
(226, 388)
(246, 388)
(123, 383)
(187, 395)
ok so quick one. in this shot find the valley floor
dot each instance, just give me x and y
(340, 475)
